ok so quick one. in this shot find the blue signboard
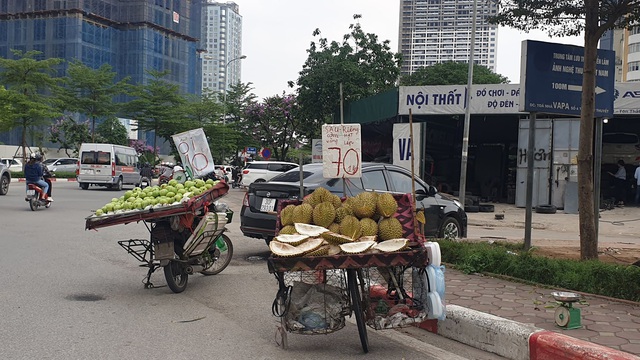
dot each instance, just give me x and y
(251, 150)
(551, 79)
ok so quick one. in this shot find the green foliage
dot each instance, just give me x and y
(362, 64)
(112, 131)
(618, 281)
(452, 73)
(91, 92)
(26, 101)
(276, 122)
(157, 106)
(59, 175)
(239, 97)
(69, 135)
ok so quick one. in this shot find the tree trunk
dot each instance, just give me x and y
(588, 236)
(93, 129)
(24, 143)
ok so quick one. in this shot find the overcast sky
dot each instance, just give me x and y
(276, 35)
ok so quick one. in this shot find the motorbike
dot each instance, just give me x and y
(35, 197)
(144, 182)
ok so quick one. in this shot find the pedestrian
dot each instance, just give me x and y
(620, 182)
(637, 177)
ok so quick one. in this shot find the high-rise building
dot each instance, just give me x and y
(221, 45)
(133, 36)
(436, 31)
(626, 44)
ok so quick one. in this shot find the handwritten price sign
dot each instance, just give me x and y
(194, 152)
(341, 151)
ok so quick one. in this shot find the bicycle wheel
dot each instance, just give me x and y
(219, 259)
(176, 276)
(357, 307)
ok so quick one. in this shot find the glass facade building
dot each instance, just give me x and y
(133, 36)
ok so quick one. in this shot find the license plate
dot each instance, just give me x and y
(86, 171)
(31, 192)
(268, 205)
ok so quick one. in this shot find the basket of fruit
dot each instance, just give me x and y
(155, 202)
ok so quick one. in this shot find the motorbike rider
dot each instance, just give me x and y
(34, 174)
(146, 172)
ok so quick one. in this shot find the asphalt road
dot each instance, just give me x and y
(67, 293)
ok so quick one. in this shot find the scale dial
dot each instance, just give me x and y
(562, 316)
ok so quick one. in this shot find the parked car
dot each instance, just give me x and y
(5, 179)
(14, 165)
(62, 165)
(260, 171)
(444, 216)
(620, 146)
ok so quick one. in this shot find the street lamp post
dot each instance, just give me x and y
(224, 101)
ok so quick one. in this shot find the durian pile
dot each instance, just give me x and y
(155, 197)
(324, 225)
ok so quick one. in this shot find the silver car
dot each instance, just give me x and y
(61, 165)
(5, 179)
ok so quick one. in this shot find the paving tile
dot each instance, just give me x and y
(604, 328)
(484, 307)
(609, 340)
(581, 333)
(626, 325)
(631, 348)
(629, 335)
(599, 318)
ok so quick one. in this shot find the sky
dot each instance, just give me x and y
(277, 34)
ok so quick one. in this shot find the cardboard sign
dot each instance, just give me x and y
(341, 151)
(194, 152)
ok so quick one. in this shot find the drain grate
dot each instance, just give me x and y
(85, 297)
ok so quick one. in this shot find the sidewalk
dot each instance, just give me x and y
(607, 322)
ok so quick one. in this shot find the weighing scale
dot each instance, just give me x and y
(567, 316)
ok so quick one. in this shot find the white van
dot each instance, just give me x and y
(108, 165)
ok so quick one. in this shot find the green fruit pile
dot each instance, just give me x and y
(366, 214)
(156, 196)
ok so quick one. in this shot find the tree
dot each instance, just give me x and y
(91, 91)
(276, 122)
(452, 73)
(568, 17)
(28, 83)
(360, 63)
(69, 134)
(239, 97)
(157, 106)
(112, 131)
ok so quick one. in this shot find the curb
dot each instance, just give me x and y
(514, 340)
(52, 179)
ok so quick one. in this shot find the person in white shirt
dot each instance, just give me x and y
(620, 182)
(637, 177)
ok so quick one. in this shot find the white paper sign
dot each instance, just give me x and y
(194, 152)
(341, 151)
(316, 150)
(402, 150)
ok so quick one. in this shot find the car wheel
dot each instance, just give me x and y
(450, 229)
(119, 184)
(546, 209)
(84, 186)
(4, 185)
(486, 208)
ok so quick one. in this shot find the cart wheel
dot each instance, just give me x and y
(219, 258)
(176, 276)
(358, 309)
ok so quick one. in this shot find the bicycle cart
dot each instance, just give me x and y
(185, 238)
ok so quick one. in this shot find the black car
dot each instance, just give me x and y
(444, 216)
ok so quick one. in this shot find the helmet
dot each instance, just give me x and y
(178, 168)
(38, 157)
(32, 156)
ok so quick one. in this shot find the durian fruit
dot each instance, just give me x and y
(341, 212)
(392, 245)
(334, 227)
(386, 205)
(310, 230)
(324, 214)
(311, 200)
(389, 228)
(334, 238)
(369, 227)
(310, 245)
(302, 214)
(350, 226)
(286, 215)
(368, 238)
(321, 251)
(289, 229)
(334, 250)
(335, 200)
(284, 250)
(321, 194)
(291, 239)
(356, 247)
(364, 205)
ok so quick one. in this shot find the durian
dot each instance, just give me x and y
(303, 214)
(350, 226)
(286, 215)
(324, 214)
(386, 205)
(389, 228)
